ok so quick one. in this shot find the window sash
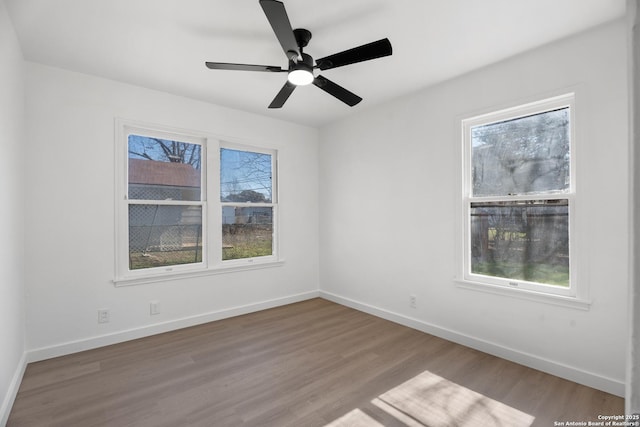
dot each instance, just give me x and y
(528, 155)
(250, 235)
(255, 177)
(167, 242)
(520, 242)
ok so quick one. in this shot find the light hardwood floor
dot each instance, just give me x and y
(307, 364)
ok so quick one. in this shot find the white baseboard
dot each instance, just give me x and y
(12, 392)
(158, 328)
(549, 366)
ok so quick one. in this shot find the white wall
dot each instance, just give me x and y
(12, 309)
(70, 212)
(388, 206)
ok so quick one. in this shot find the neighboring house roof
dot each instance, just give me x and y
(151, 172)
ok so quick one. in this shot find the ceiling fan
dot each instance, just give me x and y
(301, 65)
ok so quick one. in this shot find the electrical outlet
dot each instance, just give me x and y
(103, 315)
(412, 301)
(154, 308)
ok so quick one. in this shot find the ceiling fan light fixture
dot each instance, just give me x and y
(300, 77)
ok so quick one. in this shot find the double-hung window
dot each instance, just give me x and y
(191, 204)
(518, 198)
(247, 203)
(165, 201)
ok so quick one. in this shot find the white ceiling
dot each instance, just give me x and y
(163, 44)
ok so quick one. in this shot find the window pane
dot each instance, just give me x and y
(521, 240)
(522, 156)
(162, 236)
(247, 232)
(245, 176)
(160, 169)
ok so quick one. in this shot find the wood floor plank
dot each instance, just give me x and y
(313, 363)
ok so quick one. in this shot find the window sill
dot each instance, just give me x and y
(560, 300)
(166, 277)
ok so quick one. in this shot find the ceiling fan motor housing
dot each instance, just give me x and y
(305, 63)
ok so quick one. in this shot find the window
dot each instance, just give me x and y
(165, 202)
(247, 202)
(191, 204)
(518, 200)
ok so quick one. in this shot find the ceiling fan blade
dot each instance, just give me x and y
(242, 67)
(277, 16)
(365, 52)
(283, 95)
(338, 91)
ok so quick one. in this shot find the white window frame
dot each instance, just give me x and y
(273, 204)
(212, 262)
(576, 294)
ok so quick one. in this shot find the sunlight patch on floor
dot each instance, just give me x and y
(435, 401)
(408, 420)
(355, 418)
(432, 401)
